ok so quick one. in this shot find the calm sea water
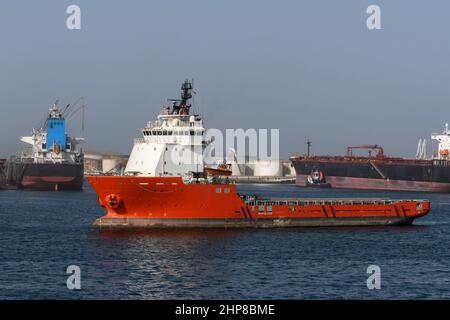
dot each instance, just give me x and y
(41, 233)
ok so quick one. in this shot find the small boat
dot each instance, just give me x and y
(222, 169)
(317, 180)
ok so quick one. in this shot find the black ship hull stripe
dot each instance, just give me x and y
(332, 211)
(243, 212)
(325, 211)
(248, 212)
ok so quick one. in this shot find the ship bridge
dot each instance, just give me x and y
(444, 143)
(173, 144)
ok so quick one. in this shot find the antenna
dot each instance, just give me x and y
(82, 115)
(308, 143)
(193, 97)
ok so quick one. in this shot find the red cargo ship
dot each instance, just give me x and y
(166, 185)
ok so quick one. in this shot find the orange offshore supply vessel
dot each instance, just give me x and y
(165, 184)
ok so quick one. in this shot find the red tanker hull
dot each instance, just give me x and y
(380, 184)
(169, 202)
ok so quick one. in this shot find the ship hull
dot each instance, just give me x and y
(40, 176)
(245, 223)
(366, 174)
(155, 202)
(379, 184)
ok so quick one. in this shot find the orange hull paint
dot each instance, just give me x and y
(168, 201)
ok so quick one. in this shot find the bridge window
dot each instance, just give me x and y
(226, 190)
(218, 190)
(164, 133)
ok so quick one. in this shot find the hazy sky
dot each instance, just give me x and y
(310, 68)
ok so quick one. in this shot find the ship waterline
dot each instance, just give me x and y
(51, 177)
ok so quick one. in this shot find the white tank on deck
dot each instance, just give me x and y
(237, 169)
(269, 168)
(110, 165)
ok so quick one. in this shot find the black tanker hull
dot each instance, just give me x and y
(378, 174)
(49, 176)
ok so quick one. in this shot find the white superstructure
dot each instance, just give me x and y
(51, 144)
(172, 145)
(444, 143)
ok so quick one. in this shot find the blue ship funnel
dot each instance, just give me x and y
(56, 133)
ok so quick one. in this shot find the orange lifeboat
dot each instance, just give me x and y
(57, 148)
(220, 170)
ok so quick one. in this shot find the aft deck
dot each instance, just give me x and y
(322, 202)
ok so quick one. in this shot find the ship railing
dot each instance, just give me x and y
(186, 140)
(441, 162)
(324, 202)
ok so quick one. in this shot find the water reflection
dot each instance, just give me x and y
(104, 234)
